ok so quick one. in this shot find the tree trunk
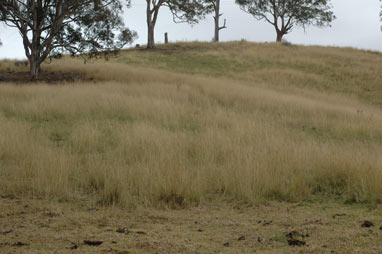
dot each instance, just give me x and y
(150, 37)
(216, 37)
(217, 18)
(34, 68)
(279, 36)
(35, 58)
(152, 16)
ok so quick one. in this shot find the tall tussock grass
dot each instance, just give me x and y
(156, 137)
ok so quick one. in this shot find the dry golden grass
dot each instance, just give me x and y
(346, 71)
(161, 135)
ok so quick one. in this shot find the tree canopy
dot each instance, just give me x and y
(53, 27)
(190, 11)
(284, 15)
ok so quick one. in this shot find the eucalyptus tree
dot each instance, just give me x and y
(215, 6)
(53, 27)
(284, 15)
(190, 11)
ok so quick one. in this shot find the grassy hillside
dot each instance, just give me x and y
(191, 123)
(341, 70)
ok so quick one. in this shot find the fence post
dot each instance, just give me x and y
(165, 38)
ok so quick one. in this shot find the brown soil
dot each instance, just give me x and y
(35, 226)
(22, 77)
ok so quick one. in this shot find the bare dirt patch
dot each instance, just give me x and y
(23, 77)
(79, 228)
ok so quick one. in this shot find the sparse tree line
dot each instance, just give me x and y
(50, 28)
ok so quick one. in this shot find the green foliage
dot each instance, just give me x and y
(51, 28)
(291, 13)
(99, 28)
(190, 11)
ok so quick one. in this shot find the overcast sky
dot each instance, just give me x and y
(357, 25)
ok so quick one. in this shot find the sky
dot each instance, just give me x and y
(357, 25)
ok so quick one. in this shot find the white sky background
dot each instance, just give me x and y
(357, 25)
